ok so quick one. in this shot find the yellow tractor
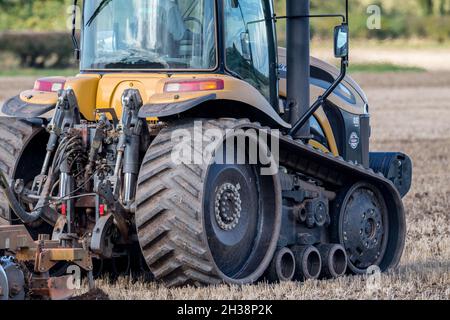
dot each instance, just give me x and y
(192, 146)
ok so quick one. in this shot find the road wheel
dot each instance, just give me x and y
(371, 234)
(205, 223)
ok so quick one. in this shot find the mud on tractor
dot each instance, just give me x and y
(89, 177)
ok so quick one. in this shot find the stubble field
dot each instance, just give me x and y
(410, 112)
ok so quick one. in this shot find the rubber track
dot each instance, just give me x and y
(14, 136)
(169, 205)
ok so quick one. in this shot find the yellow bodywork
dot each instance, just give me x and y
(94, 91)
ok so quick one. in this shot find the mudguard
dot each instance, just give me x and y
(395, 166)
(16, 107)
(237, 95)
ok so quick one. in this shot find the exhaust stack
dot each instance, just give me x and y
(298, 62)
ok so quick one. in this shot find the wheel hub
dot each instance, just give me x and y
(228, 206)
(363, 229)
(371, 228)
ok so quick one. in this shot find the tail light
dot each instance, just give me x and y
(52, 84)
(64, 209)
(194, 85)
(101, 210)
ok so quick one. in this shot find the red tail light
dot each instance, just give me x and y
(52, 84)
(101, 210)
(194, 85)
(64, 209)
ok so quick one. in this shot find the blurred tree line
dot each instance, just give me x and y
(36, 15)
(427, 19)
(20, 19)
(400, 19)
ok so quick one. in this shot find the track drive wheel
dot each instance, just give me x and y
(208, 223)
(371, 229)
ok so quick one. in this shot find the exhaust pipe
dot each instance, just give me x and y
(309, 263)
(298, 62)
(282, 267)
(334, 260)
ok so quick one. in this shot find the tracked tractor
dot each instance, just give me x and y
(192, 146)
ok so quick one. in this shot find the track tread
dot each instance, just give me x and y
(177, 211)
(14, 136)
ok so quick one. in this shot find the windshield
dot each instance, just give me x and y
(148, 34)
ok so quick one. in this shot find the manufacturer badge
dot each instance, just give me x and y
(354, 140)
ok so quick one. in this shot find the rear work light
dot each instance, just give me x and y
(53, 84)
(194, 85)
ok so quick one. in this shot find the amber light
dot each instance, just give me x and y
(194, 85)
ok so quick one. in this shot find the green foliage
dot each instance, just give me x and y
(382, 67)
(39, 50)
(429, 19)
(405, 19)
(36, 15)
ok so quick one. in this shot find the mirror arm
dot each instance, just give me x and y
(74, 28)
(321, 100)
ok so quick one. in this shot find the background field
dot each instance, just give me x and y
(410, 112)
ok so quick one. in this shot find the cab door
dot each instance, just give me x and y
(250, 45)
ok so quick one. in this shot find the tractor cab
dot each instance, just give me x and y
(202, 36)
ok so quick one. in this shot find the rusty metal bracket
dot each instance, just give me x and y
(48, 258)
(15, 238)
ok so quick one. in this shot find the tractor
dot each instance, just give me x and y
(191, 147)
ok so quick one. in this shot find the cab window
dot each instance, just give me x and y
(247, 43)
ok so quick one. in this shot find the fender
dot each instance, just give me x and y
(41, 102)
(16, 107)
(236, 99)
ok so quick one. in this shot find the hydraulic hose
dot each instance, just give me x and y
(42, 209)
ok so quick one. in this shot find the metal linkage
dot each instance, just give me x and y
(130, 129)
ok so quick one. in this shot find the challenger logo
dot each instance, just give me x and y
(354, 140)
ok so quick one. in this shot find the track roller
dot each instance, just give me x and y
(308, 261)
(334, 260)
(282, 268)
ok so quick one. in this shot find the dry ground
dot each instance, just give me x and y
(411, 113)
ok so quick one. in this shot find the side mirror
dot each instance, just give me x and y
(341, 40)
